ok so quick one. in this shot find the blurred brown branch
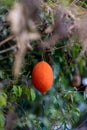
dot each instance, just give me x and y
(6, 40)
(6, 50)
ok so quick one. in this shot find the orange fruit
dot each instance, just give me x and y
(42, 76)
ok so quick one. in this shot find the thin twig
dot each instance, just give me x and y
(81, 124)
(6, 50)
(66, 91)
(6, 40)
(61, 47)
(74, 2)
(6, 57)
(57, 48)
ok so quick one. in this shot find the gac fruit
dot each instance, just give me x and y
(42, 76)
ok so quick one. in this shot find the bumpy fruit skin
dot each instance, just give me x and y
(42, 76)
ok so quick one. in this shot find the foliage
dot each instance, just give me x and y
(59, 107)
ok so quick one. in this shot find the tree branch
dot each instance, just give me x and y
(6, 40)
(6, 50)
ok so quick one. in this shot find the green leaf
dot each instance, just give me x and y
(1, 74)
(17, 90)
(56, 70)
(75, 51)
(3, 100)
(77, 112)
(81, 64)
(2, 121)
(27, 92)
(33, 95)
(70, 95)
(6, 3)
